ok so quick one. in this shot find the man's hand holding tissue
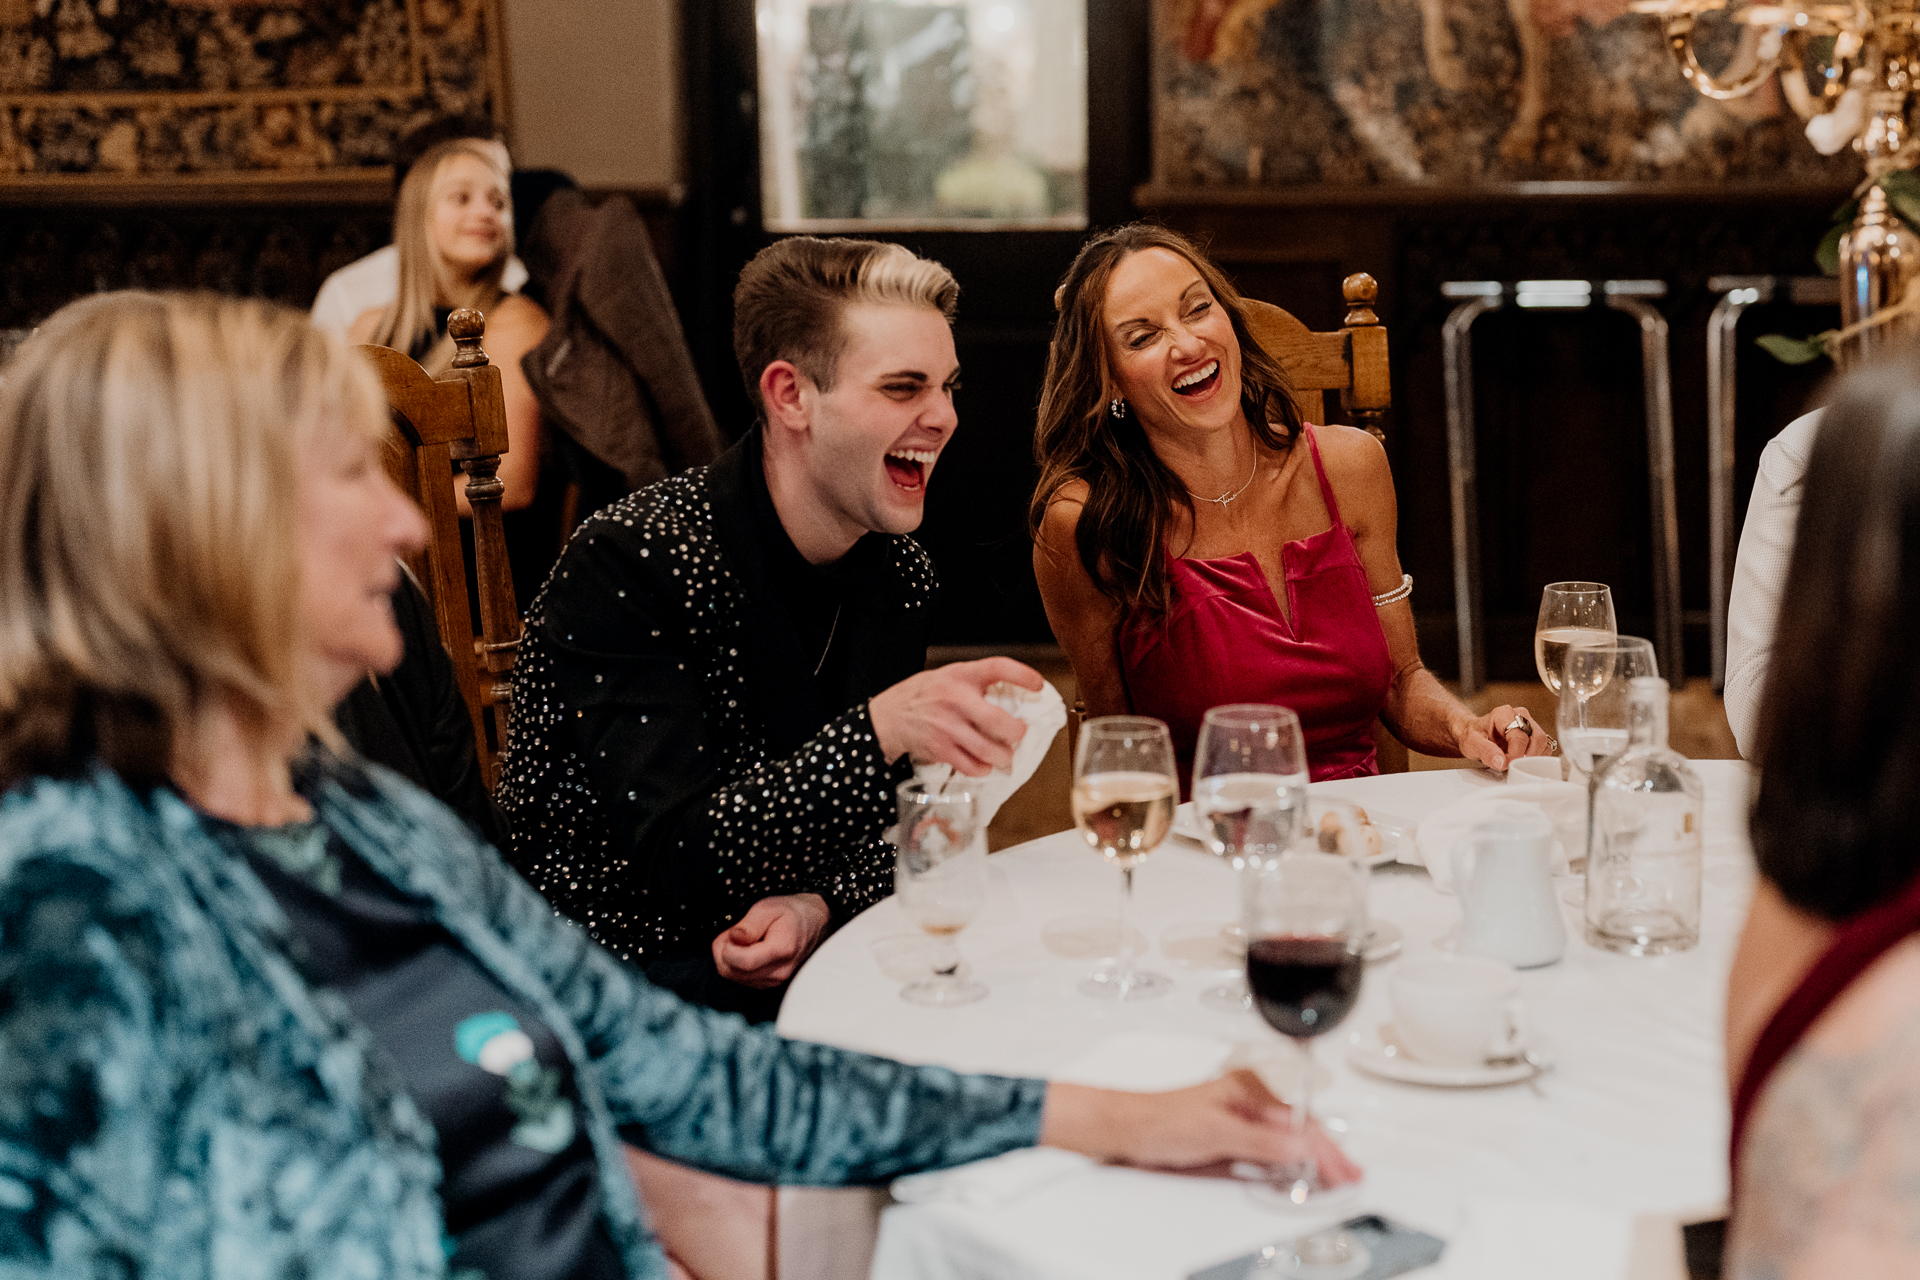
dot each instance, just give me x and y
(942, 716)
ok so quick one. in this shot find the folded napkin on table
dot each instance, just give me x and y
(1519, 1238)
(1045, 714)
(1142, 1061)
(1564, 803)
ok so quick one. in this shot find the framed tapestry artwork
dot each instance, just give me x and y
(1460, 95)
(202, 93)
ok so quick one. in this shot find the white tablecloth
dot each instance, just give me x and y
(1631, 1121)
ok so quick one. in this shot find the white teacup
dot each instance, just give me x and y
(1536, 769)
(1457, 1013)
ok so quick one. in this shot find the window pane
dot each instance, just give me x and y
(916, 113)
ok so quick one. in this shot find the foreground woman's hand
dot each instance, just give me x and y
(1231, 1118)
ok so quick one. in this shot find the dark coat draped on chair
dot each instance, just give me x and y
(614, 375)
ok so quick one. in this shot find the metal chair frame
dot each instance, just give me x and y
(1476, 298)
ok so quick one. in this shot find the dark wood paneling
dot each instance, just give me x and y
(277, 240)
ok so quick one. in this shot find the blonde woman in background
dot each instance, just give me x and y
(453, 225)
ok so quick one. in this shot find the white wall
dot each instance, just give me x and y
(595, 88)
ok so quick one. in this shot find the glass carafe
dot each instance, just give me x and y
(1643, 867)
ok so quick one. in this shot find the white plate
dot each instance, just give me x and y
(1396, 833)
(1379, 1054)
(1384, 941)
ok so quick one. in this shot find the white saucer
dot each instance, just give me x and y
(1379, 1054)
(1384, 941)
(1396, 833)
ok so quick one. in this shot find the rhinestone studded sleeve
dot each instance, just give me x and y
(643, 799)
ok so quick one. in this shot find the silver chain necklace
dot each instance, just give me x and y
(831, 632)
(1225, 498)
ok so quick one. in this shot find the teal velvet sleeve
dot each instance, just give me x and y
(705, 1089)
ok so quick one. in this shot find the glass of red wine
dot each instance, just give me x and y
(1306, 921)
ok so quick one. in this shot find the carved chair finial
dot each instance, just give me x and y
(1361, 292)
(467, 328)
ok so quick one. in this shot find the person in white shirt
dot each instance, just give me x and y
(454, 227)
(373, 282)
(1766, 545)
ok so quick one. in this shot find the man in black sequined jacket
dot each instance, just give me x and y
(721, 683)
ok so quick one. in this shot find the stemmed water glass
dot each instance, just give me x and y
(1595, 709)
(1124, 788)
(940, 880)
(1306, 920)
(1570, 613)
(1250, 795)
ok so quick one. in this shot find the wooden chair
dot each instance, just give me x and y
(1350, 361)
(459, 417)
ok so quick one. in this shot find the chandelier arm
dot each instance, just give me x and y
(1793, 79)
(1678, 28)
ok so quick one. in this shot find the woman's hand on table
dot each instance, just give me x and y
(1233, 1117)
(1486, 740)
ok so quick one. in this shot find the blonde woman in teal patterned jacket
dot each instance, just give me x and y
(268, 1012)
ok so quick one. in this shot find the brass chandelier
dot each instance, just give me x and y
(1850, 71)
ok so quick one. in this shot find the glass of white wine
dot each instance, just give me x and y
(1250, 795)
(940, 879)
(1570, 612)
(1124, 787)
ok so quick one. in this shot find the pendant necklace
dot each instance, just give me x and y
(1225, 498)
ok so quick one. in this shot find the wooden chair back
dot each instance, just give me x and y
(459, 417)
(1351, 361)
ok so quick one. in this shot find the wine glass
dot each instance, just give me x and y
(1570, 612)
(940, 879)
(1306, 921)
(1123, 794)
(1595, 709)
(1250, 795)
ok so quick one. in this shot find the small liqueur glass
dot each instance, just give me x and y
(940, 880)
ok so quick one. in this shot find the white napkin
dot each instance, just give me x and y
(991, 1183)
(1147, 1062)
(1142, 1061)
(1564, 803)
(1045, 714)
(1517, 1238)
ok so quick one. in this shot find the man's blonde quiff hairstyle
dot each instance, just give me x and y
(791, 298)
(149, 540)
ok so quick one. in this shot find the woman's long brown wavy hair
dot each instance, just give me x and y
(1130, 492)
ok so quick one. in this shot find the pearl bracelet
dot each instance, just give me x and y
(1396, 595)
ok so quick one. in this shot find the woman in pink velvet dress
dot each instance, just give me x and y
(1196, 544)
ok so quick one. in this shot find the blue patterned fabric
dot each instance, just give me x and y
(176, 1102)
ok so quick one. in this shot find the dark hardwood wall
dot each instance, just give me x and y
(267, 240)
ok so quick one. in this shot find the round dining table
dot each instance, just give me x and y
(1581, 1170)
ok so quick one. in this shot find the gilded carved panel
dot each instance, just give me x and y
(151, 88)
